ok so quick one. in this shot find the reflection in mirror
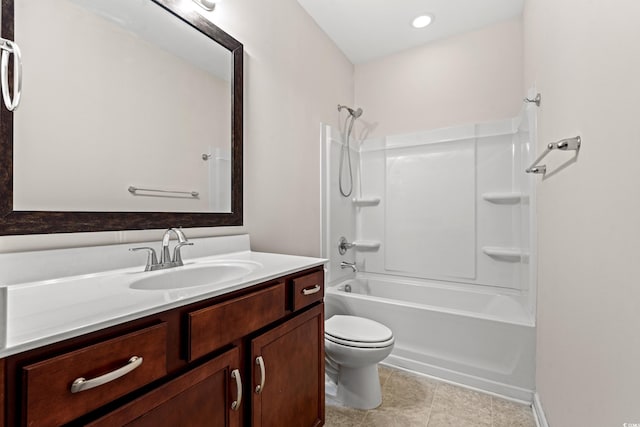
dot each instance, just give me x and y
(120, 99)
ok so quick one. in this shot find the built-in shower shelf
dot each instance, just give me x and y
(504, 198)
(366, 245)
(366, 201)
(505, 254)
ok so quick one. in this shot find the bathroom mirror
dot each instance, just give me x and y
(130, 118)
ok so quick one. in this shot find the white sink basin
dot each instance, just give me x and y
(189, 276)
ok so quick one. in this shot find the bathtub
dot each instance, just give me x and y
(478, 338)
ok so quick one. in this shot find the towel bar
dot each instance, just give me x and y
(133, 190)
(569, 144)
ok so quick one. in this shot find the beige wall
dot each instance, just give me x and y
(470, 78)
(294, 78)
(585, 59)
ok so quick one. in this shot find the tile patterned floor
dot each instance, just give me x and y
(414, 401)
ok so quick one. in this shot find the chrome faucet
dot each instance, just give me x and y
(351, 265)
(165, 257)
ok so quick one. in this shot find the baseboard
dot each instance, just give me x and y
(499, 389)
(538, 412)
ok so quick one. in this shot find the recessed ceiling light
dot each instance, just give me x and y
(422, 21)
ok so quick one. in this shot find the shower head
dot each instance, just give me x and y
(354, 113)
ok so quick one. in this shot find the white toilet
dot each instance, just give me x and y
(353, 347)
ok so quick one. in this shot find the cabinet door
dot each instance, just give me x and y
(292, 359)
(204, 396)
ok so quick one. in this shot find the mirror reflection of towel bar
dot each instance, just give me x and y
(133, 190)
(569, 144)
(206, 157)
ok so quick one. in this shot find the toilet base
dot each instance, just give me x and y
(359, 387)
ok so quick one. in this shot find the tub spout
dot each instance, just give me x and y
(351, 265)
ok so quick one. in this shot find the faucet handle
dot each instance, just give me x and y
(177, 257)
(343, 245)
(152, 259)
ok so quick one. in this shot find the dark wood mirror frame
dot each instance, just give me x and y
(41, 222)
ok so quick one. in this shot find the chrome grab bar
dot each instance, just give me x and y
(260, 363)
(235, 405)
(8, 47)
(133, 190)
(569, 144)
(81, 384)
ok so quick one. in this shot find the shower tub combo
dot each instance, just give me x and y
(441, 231)
(466, 336)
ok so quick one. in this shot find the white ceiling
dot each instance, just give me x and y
(370, 29)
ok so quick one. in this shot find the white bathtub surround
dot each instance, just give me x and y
(452, 199)
(454, 273)
(461, 334)
(49, 296)
(448, 204)
(337, 210)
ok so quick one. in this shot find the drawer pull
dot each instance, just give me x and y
(260, 362)
(311, 291)
(235, 374)
(81, 384)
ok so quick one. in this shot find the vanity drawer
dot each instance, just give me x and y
(47, 385)
(213, 327)
(308, 289)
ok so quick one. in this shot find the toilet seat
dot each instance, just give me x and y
(354, 331)
(357, 344)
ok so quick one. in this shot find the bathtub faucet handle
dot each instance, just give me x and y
(343, 245)
(351, 265)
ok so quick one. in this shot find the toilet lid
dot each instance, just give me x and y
(358, 329)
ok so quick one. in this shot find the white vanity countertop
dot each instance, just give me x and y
(42, 312)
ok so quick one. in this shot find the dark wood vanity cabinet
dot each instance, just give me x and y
(254, 357)
(48, 395)
(200, 397)
(292, 387)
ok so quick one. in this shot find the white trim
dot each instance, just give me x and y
(538, 412)
(457, 384)
(324, 194)
(495, 388)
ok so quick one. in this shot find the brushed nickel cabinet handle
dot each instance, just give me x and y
(81, 384)
(235, 374)
(260, 363)
(311, 291)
